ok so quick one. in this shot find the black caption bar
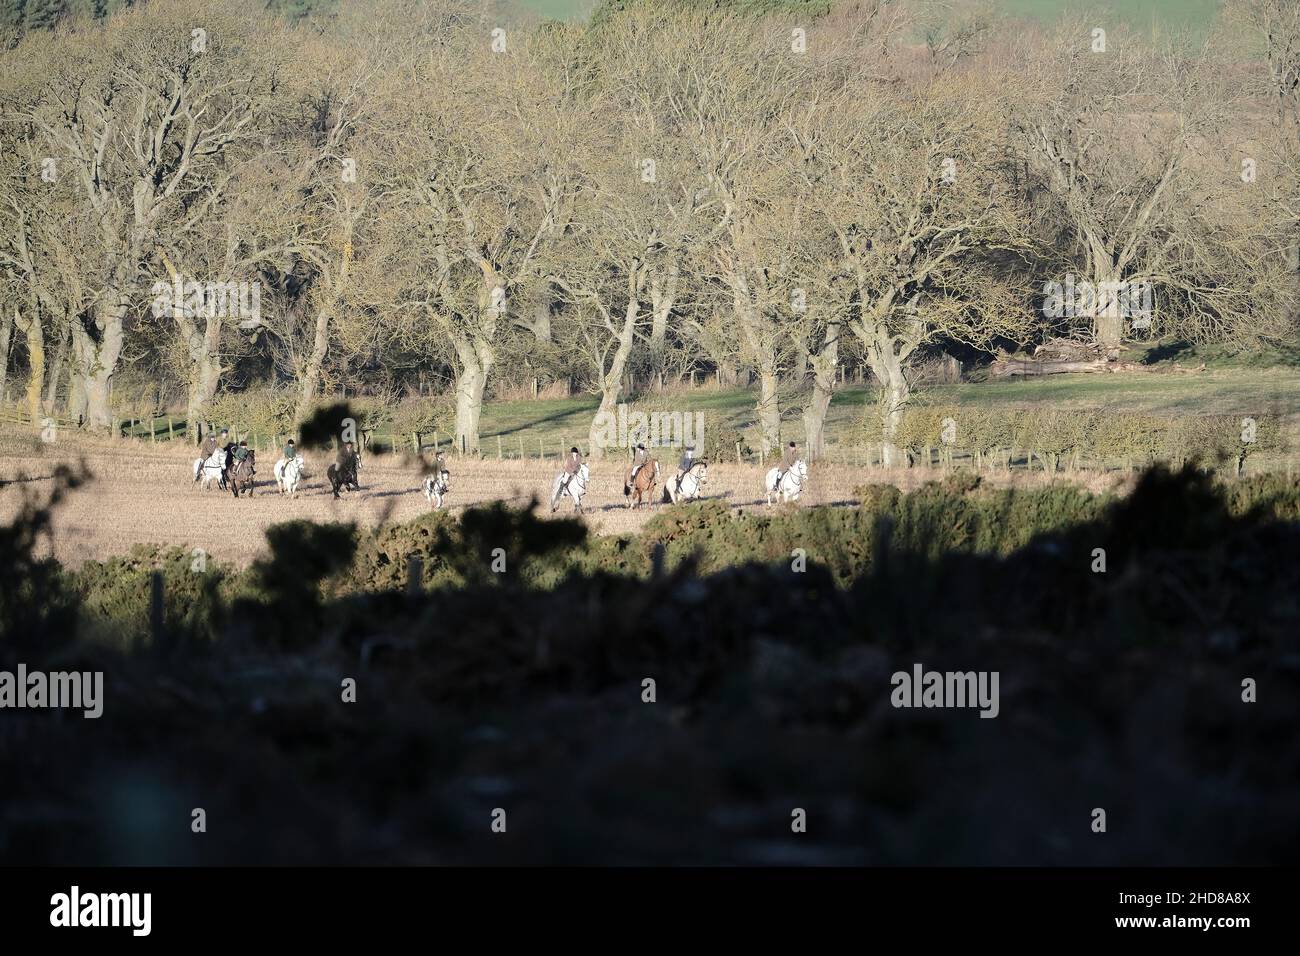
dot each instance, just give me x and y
(334, 906)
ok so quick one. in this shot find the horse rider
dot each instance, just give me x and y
(346, 463)
(685, 465)
(241, 451)
(639, 458)
(440, 467)
(787, 461)
(207, 450)
(571, 465)
(290, 451)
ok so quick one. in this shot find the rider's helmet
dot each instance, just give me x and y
(574, 450)
(640, 446)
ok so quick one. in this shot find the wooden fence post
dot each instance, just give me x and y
(500, 456)
(521, 447)
(415, 438)
(737, 453)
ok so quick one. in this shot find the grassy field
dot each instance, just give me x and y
(557, 423)
(534, 428)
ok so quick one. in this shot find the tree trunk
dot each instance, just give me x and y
(201, 348)
(205, 376)
(1108, 321)
(6, 341)
(814, 419)
(758, 339)
(476, 363)
(539, 320)
(769, 407)
(35, 335)
(97, 347)
(76, 398)
(598, 433)
(727, 373)
(663, 296)
(894, 393)
(824, 365)
(309, 386)
(56, 371)
(611, 379)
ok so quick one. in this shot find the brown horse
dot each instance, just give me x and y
(240, 475)
(638, 492)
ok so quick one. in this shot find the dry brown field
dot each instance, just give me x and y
(144, 493)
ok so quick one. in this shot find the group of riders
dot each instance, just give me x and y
(343, 472)
(224, 459)
(641, 458)
(785, 480)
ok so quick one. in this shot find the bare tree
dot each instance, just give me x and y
(919, 220)
(1110, 129)
(145, 129)
(484, 202)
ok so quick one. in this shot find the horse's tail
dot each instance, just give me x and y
(627, 489)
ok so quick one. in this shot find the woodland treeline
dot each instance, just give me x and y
(447, 199)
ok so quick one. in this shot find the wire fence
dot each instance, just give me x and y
(538, 445)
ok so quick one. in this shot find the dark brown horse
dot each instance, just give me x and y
(342, 474)
(240, 474)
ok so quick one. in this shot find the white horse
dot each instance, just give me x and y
(287, 473)
(435, 487)
(210, 469)
(792, 482)
(575, 486)
(690, 485)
